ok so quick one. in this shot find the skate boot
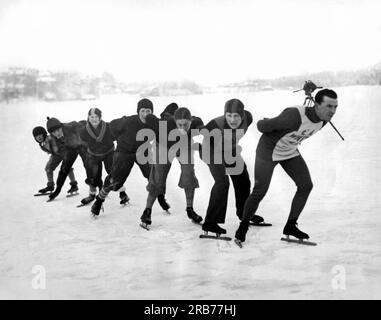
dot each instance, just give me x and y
(97, 206)
(290, 229)
(259, 222)
(256, 219)
(240, 234)
(193, 215)
(123, 197)
(48, 188)
(74, 187)
(88, 199)
(146, 218)
(213, 227)
(163, 203)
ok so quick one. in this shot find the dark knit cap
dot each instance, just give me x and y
(39, 130)
(53, 124)
(182, 113)
(235, 106)
(96, 111)
(169, 111)
(145, 104)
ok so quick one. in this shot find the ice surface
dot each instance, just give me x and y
(113, 257)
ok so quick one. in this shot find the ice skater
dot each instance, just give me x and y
(100, 149)
(67, 137)
(231, 128)
(278, 144)
(48, 144)
(124, 131)
(180, 120)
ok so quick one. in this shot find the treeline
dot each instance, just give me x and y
(19, 83)
(369, 76)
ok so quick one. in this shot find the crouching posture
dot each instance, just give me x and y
(48, 144)
(279, 145)
(100, 149)
(124, 130)
(176, 123)
(68, 140)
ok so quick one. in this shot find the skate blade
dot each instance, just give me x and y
(94, 216)
(299, 241)
(83, 205)
(144, 226)
(41, 194)
(261, 224)
(238, 243)
(69, 195)
(217, 237)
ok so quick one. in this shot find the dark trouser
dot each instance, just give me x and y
(94, 165)
(67, 163)
(218, 201)
(296, 168)
(51, 165)
(159, 173)
(121, 168)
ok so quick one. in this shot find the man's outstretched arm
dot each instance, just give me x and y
(289, 119)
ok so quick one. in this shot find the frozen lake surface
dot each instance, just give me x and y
(113, 258)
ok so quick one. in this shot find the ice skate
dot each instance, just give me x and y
(291, 229)
(124, 198)
(193, 215)
(97, 206)
(215, 228)
(258, 221)
(163, 203)
(240, 234)
(87, 200)
(73, 191)
(45, 191)
(146, 219)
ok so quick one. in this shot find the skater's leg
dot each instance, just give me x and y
(72, 176)
(94, 173)
(145, 169)
(218, 200)
(189, 196)
(158, 178)
(156, 182)
(150, 200)
(263, 172)
(241, 184)
(51, 165)
(121, 168)
(298, 171)
(68, 161)
(188, 181)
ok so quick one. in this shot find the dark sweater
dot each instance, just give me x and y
(100, 141)
(153, 123)
(124, 131)
(217, 145)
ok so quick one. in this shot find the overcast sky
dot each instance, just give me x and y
(207, 41)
